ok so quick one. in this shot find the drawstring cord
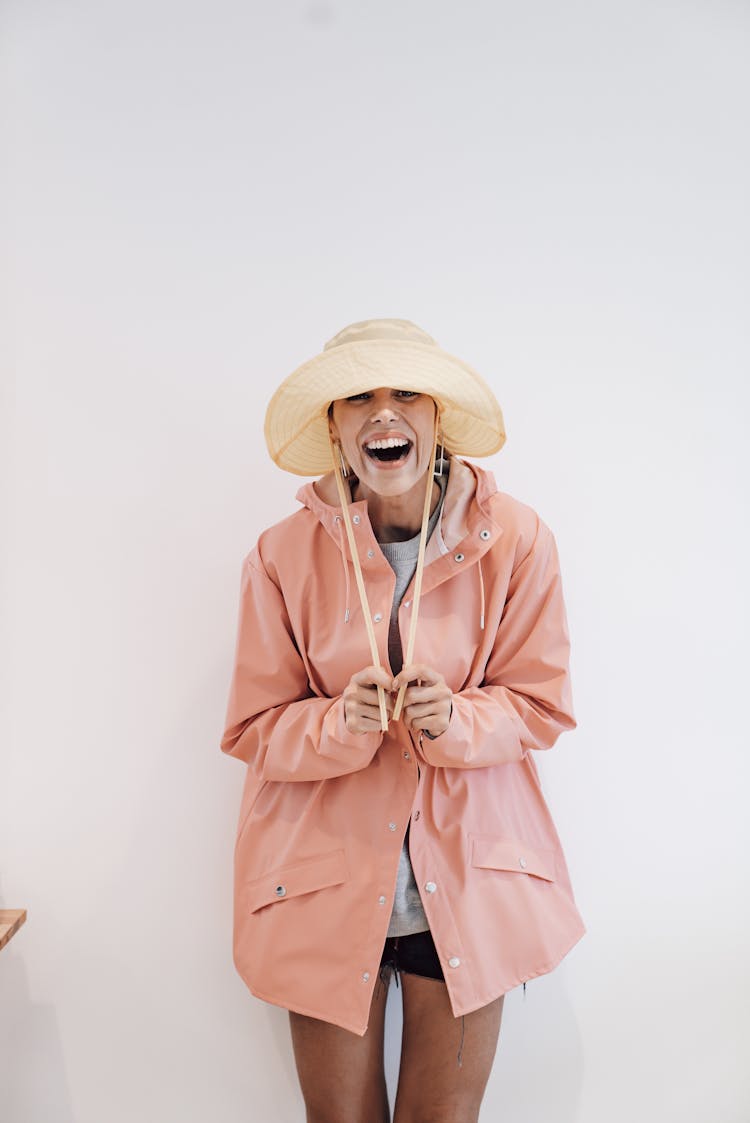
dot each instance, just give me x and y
(420, 566)
(345, 564)
(375, 654)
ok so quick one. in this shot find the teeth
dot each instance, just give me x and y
(391, 442)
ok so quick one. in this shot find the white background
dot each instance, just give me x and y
(196, 197)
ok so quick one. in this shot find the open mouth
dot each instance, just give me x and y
(389, 451)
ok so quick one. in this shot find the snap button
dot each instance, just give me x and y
(391, 826)
(407, 603)
(281, 891)
(485, 534)
(454, 961)
(381, 900)
(416, 815)
(371, 553)
(407, 756)
(522, 863)
(458, 557)
(378, 617)
(430, 887)
(356, 520)
(365, 976)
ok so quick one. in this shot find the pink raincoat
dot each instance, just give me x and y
(324, 811)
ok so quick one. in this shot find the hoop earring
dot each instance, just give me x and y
(441, 459)
(344, 465)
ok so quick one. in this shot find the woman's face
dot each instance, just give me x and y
(387, 437)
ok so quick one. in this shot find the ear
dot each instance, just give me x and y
(332, 424)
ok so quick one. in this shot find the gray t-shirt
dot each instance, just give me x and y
(407, 916)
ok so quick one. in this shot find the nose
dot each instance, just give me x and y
(382, 411)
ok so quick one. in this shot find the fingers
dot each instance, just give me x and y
(415, 671)
(426, 706)
(373, 676)
(429, 704)
(361, 702)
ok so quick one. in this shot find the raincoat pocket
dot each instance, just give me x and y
(513, 855)
(293, 880)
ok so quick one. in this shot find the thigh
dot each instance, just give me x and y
(341, 1074)
(433, 1086)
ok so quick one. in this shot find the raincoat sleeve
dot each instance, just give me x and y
(274, 722)
(524, 701)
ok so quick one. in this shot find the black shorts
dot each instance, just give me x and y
(415, 954)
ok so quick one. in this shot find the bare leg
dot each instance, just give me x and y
(432, 1088)
(341, 1075)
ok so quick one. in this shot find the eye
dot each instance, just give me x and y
(406, 395)
(359, 397)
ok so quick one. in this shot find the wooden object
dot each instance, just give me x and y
(10, 921)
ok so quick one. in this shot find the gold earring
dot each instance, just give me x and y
(344, 465)
(441, 460)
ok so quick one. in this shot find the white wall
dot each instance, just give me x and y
(197, 196)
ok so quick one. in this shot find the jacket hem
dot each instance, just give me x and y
(298, 1008)
(468, 1008)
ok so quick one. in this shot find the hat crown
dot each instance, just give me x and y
(386, 328)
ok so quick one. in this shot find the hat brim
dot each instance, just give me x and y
(296, 424)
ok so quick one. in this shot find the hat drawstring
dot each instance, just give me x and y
(360, 581)
(347, 583)
(420, 566)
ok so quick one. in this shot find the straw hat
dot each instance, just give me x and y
(365, 356)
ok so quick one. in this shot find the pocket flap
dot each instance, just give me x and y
(513, 854)
(293, 881)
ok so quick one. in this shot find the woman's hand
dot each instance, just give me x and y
(429, 705)
(361, 707)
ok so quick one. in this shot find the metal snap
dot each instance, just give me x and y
(280, 891)
(485, 534)
(381, 900)
(458, 557)
(377, 617)
(430, 887)
(454, 961)
(371, 553)
(365, 976)
(522, 863)
(356, 520)
(391, 826)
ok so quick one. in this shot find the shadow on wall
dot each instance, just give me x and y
(29, 1031)
(539, 1062)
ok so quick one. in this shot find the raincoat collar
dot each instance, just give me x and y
(466, 521)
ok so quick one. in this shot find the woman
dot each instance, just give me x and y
(392, 817)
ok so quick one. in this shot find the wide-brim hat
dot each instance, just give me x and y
(365, 356)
